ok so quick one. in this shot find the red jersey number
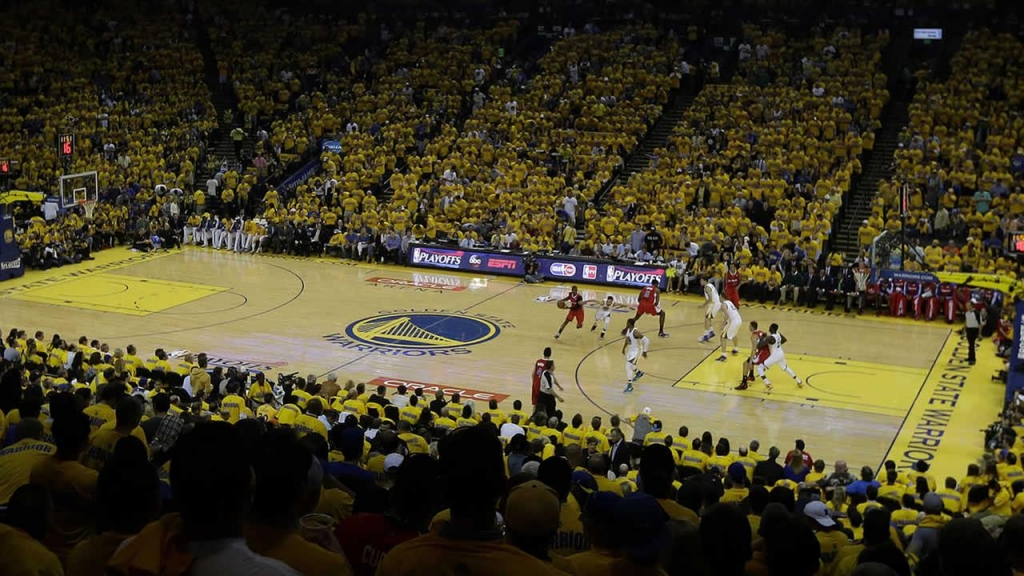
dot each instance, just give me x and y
(649, 294)
(575, 301)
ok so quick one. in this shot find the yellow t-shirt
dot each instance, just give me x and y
(498, 416)
(90, 556)
(951, 499)
(232, 404)
(410, 414)
(677, 511)
(696, 459)
(569, 539)
(892, 491)
(831, 543)
(722, 462)
(16, 463)
(415, 443)
(904, 517)
(302, 398)
(266, 411)
(306, 424)
(22, 554)
(604, 562)
(287, 414)
(101, 447)
(573, 436)
(305, 557)
(734, 495)
(336, 503)
(99, 414)
(451, 556)
(257, 392)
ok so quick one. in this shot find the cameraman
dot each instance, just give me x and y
(532, 270)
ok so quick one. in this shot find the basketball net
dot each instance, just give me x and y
(89, 207)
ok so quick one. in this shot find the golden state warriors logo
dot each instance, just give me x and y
(419, 333)
(9, 236)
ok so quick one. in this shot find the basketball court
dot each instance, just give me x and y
(875, 388)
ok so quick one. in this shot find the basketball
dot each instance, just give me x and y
(560, 304)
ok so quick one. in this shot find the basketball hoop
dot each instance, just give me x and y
(89, 207)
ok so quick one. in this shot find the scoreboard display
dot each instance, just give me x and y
(1016, 243)
(66, 145)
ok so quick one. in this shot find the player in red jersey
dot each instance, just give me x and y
(575, 304)
(759, 352)
(649, 302)
(538, 370)
(732, 285)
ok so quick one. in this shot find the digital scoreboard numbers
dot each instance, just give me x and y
(66, 145)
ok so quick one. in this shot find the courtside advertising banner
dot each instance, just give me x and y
(10, 255)
(551, 267)
(1015, 378)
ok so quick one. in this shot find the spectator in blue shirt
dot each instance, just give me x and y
(392, 243)
(795, 469)
(867, 478)
(350, 441)
(982, 200)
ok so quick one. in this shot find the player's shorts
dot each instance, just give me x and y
(649, 308)
(713, 309)
(602, 314)
(776, 358)
(576, 315)
(762, 355)
(731, 329)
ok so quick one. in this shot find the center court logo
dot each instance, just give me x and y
(419, 333)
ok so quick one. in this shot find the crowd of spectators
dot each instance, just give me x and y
(960, 161)
(508, 137)
(127, 85)
(116, 464)
(756, 171)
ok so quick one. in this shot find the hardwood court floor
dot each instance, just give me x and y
(477, 333)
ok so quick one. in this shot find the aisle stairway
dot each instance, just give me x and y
(878, 166)
(219, 146)
(642, 156)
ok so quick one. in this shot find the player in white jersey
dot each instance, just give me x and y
(730, 329)
(712, 303)
(776, 358)
(634, 346)
(604, 313)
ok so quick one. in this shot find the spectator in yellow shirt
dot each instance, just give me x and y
(23, 531)
(474, 478)
(736, 480)
(288, 485)
(127, 497)
(104, 441)
(18, 459)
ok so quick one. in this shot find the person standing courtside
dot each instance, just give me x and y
(974, 317)
(547, 396)
(538, 370)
